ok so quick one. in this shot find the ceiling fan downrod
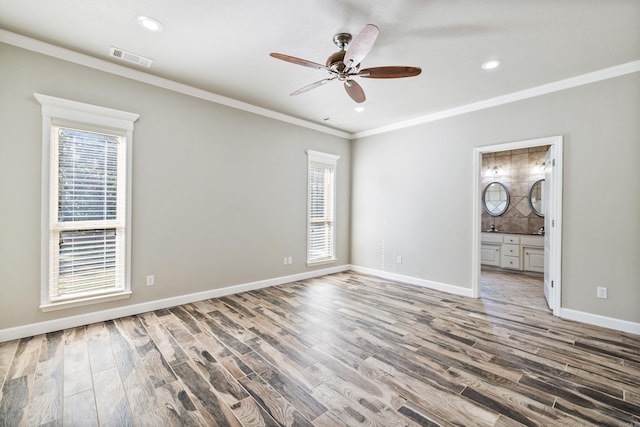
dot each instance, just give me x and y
(342, 40)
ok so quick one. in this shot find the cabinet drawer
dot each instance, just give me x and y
(532, 241)
(510, 262)
(512, 239)
(511, 250)
(491, 238)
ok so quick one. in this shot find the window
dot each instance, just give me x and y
(321, 207)
(86, 192)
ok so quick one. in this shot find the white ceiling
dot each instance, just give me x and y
(223, 47)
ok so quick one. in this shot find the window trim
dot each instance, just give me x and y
(58, 111)
(330, 161)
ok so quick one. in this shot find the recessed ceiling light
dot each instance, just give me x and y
(150, 23)
(491, 64)
(359, 109)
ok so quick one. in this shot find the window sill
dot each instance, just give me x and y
(84, 301)
(322, 261)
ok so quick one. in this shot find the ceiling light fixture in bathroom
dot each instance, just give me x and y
(494, 171)
(539, 168)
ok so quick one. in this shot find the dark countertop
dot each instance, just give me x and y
(511, 232)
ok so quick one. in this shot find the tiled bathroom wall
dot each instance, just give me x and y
(518, 170)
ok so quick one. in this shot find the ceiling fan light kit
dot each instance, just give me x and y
(344, 65)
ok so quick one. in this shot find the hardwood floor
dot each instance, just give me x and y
(515, 288)
(344, 349)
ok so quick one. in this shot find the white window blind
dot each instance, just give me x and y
(86, 191)
(321, 207)
(88, 233)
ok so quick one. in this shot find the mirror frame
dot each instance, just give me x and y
(533, 208)
(484, 195)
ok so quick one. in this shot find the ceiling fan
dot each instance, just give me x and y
(344, 65)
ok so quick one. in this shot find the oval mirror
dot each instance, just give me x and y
(495, 199)
(535, 197)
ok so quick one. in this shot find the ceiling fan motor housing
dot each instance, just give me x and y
(335, 61)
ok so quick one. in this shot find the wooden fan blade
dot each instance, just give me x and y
(355, 91)
(361, 45)
(298, 61)
(312, 86)
(389, 72)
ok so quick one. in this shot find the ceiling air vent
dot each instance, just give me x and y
(130, 57)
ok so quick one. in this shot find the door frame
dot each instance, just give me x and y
(554, 210)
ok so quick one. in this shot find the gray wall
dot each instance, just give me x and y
(219, 195)
(412, 192)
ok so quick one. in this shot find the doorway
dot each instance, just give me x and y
(552, 218)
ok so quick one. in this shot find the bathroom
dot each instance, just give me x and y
(512, 224)
(518, 171)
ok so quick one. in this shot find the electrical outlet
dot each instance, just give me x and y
(399, 259)
(601, 292)
(285, 261)
(290, 260)
(151, 280)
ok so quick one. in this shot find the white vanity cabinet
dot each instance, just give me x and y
(533, 253)
(510, 256)
(490, 255)
(512, 251)
(491, 244)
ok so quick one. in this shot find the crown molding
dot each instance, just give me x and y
(120, 70)
(583, 79)
(58, 52)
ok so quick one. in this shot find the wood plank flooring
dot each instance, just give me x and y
(513, 288)
(341, 350)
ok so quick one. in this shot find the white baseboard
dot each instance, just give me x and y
(130, 310)
(444, 287)
(597, 320)
(565, 313)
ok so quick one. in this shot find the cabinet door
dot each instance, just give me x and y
(490, 255)
(534, 259)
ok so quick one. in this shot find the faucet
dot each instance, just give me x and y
(492, 228)
(541, 231)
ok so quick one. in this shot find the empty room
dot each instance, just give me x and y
(320, 213)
